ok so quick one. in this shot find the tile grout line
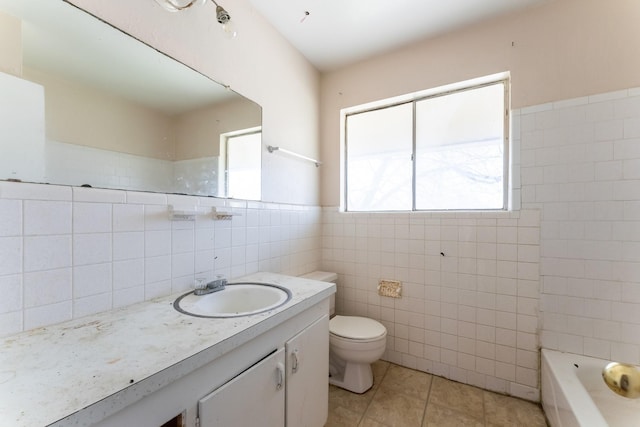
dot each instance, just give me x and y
(484, 408)
(424, 413)
(374, 394)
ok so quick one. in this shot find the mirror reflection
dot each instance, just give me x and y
(84, 104)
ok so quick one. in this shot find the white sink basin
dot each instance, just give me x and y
(237, 299)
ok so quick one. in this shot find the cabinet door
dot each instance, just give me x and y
(253, 398)
(308, 376)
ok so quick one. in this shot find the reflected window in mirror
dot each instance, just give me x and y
(70, 117)
(244, 163)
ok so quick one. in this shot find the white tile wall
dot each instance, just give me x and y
(22, 132)
(564, 270)
(469, 309)
(72, 163)
(67, 252)
(581, 168)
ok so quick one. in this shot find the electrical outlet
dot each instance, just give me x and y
(390, 288)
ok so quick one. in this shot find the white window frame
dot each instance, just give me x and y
(223, 160)
(500, 78)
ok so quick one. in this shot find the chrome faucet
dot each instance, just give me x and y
(215, 285)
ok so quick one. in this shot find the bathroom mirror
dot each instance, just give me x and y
(82, 103)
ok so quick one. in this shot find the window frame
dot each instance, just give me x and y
(223, 158)
(413, 99)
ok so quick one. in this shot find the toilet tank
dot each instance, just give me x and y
(325, 276)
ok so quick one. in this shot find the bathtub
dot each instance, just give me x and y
(574, 394)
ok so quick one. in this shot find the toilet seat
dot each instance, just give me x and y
(356, 328)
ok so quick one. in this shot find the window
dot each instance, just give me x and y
(446, 151)
(243, 163)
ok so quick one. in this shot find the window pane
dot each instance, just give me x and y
(460, 150)
(379, 168)
(244, 166)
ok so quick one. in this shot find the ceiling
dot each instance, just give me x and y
(336, 33)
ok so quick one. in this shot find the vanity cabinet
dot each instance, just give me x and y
(269, 392)
(240, 387)
(307, 381)
(254, 398)
(148, 365)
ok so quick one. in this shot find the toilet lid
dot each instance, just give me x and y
(357, 328)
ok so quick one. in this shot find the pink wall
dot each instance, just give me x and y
(563, 49)
(11, 59)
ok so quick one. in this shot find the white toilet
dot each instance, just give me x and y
(354, 344)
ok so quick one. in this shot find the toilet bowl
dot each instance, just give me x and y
(354, 344)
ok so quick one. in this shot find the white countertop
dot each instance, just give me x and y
(78, 372)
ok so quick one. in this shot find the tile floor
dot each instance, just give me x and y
(403, 397)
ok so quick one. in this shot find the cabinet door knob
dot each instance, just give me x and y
(294, 361)
(279, 376)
